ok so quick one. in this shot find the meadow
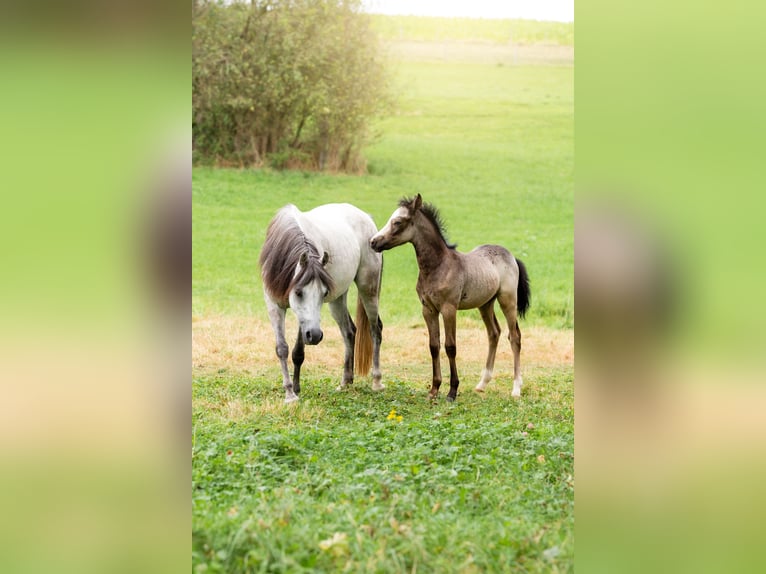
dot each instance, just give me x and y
(390, 482)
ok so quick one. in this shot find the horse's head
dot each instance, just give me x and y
(307, 295)
(399, 228)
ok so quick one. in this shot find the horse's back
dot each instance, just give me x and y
(344, 231)
(343, 219)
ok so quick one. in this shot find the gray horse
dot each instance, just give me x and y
(309, 259)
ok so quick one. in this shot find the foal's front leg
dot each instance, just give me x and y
(432, 322)
(449, 312)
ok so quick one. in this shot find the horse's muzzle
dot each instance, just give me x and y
(313, 336)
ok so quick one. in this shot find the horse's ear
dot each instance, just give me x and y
(304, 259)
(417, 203)
(325, 258)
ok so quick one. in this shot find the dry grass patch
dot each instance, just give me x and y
(246, 344)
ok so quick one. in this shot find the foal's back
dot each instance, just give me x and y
(488, 271)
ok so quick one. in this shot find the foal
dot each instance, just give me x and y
(450, 280)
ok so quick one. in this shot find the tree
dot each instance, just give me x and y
(294, 83)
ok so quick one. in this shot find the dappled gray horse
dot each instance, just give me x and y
(450, 280)
(311, 258)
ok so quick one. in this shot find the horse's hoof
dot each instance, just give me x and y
(379, 387)
(478, 389)
(292, 399)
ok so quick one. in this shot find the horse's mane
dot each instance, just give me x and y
(285, 244)
(432, 214)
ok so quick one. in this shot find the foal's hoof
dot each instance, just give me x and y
(516, 393)
(450, 399)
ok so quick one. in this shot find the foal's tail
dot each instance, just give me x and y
(523, 294)
(363, 345)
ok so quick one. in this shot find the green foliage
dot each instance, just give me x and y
(335, 484)
(297, 79)
(517, 31)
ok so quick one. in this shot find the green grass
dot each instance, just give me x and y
(450, 488)
(468, 487)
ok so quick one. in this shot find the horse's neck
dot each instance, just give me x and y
(430, 249)
(310, 230)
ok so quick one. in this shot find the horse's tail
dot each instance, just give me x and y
(523, 294)
(363, 345)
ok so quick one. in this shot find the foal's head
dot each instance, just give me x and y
(403, 223)
(400, 227)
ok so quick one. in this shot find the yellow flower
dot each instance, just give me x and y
(392, 414)
(399, 418)
(337, 545)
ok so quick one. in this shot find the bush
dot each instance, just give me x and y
(291, 83)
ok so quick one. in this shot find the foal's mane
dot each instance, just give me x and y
(432, 214)
(285, 244)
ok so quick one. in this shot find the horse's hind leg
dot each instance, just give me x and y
(508, 305)
(277, 318)
(370, 305)
(368, 286)
(339, 311)
(493, 335)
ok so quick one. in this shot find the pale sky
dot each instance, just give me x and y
(556, 10)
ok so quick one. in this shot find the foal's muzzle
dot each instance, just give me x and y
(376, 244)
(312, 336)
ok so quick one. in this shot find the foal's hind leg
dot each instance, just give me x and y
(508, 305)
(493, 335)
(339, 311)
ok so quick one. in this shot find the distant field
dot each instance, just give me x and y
(334, 483)
(481, 53)
(510, 31)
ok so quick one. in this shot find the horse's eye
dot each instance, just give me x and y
(396, 223)
(298, 293)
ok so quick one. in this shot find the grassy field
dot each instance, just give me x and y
(428, 29)
(333, 483)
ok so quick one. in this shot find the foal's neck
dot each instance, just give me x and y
(430, 248)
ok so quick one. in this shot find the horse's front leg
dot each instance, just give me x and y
(339, 311)
(277, 318)
(432, 322)
(298, 356)
(449, 312)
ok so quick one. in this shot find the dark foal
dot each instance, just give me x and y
(450, 281)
